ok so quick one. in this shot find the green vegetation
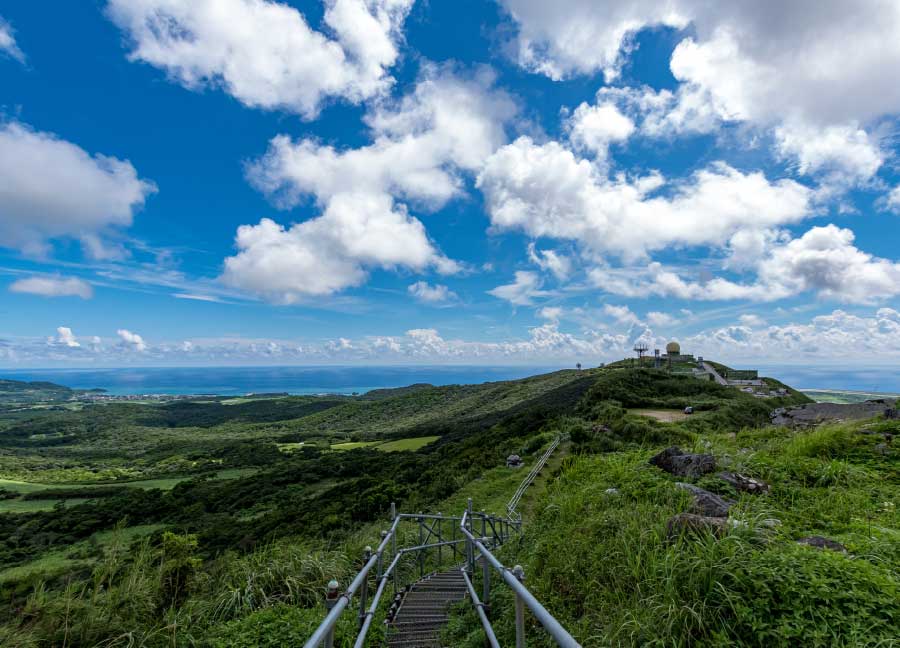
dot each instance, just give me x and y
(16, 391)
(225, 518)
(623, 581)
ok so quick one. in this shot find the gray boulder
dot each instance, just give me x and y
(820, 542)
(696, 525)
(744, 484)
(706, 503)
(676, 462)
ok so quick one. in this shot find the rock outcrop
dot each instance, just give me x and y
(682, 464)
(820, 542)
(815, 413)
(744, 484)
(693, 524)
(706, 503)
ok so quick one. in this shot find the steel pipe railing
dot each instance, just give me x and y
(479, 607)
(336, 606)
(529, 478)
(523, 596)
(326, 628)
(494, 531)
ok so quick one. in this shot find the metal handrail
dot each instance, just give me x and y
(479, 607)
(337, 604)
(523, 596)
(520, 491)
(327, 626)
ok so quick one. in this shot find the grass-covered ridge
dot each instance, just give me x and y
(243, 561)
(623, 580)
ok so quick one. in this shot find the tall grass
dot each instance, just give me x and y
(621, 582)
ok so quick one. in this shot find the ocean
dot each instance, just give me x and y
(233, 381)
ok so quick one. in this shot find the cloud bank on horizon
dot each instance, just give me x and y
(351, 182)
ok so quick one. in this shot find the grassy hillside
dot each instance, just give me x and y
(623, 579)
(242, 561)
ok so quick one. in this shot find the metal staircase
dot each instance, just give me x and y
(419, 611)
(423, 610)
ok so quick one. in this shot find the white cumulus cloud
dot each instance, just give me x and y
(828, 70)
(544, 190)
(846, 153)
(558, 264)
(54, 286)
(422, 144)
(264, 53)
(620, 313)
(50, 188)
(65, 337)
(660, 319)
(436, 294)
(893, 199)
(594, 128)
(823, 261)
(132, 340)
(522, 291)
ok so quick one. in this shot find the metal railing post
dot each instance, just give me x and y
(440, 539)
(364, 592)
(379, 569)
(470, 548)
(519, 573)
(394, 542)
(453, 537)
(486, 579)
(331, 598)
(421, 552)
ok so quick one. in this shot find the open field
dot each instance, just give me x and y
(664, 415)
(163, 483)
(352, 445)
(406, 444)
(397, 445)
(21, 505)
(33, 506)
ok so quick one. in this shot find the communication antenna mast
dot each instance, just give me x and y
(641, 348)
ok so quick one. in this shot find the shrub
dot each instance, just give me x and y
(283, 625)
(791, 596)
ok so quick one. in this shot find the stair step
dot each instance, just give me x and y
(423, 612)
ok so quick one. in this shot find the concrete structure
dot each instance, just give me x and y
(674, 354)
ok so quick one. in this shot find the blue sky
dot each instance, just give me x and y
(392, 181)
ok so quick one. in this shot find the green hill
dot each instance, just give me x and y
(265, 500)
(16, 391)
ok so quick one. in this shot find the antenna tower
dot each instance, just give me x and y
(641, 348)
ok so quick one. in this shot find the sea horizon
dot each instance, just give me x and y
(295, 380)
(348, 379)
